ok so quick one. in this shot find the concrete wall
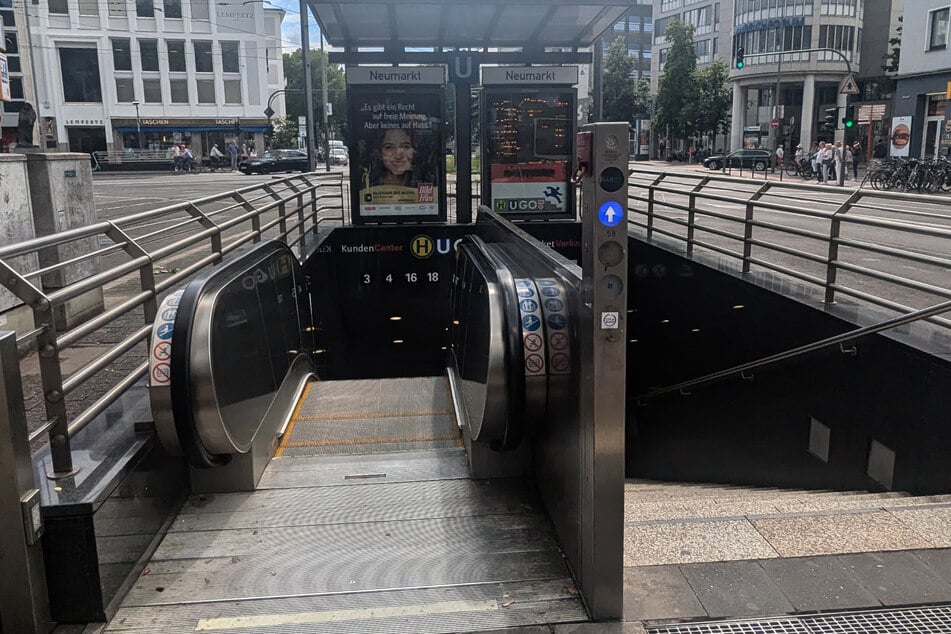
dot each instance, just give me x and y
(16, 225)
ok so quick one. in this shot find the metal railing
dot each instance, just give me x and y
(887, 250)
(137, 259)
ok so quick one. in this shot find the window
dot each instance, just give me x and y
(152, 90)
(88, 7)
(144, 8)
(16, 89)
(200, 10)
(125, 90)
(206, 90)
(176, 55)
(116, 8)
(121, 55)
(179, 90)
(80, 69)
(13, 45)
(232, 91)
(229, 57)
(203, 61)
(59, 6)
(938, 38)
(148, 52)
(172, 8)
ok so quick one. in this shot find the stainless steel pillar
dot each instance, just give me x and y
(603, 364)
(24, 605)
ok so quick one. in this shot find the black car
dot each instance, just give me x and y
(275, 161)
(758, 160)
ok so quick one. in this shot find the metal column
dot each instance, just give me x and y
(604, 354)
(24, 606)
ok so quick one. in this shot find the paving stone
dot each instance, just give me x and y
(818, 583)
(736, 589)
(659, 593)
(899, 578)
(690, 542)
(933, 524)
(938, 559)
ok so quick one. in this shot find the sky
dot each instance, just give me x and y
(290, 28)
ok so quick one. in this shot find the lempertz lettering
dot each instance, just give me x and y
(529, 75)
(395, 75)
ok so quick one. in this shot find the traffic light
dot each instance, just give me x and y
(849, 119)
(740, 52)
(831, 116)
(237, 127)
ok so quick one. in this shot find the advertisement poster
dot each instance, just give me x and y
(529, 136)
(900, 136)
(397, 163)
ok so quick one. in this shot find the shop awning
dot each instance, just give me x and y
(190, 128)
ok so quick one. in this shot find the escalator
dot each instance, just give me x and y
(407, 503)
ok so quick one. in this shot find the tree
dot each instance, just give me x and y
(676, 89)
(714, 98)
(285, 133)
(619, 99)
(336, 88)
(892, 58)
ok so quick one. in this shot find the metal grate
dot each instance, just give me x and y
(925, 620)
(768, 626)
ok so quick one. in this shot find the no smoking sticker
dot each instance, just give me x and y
(609, 321)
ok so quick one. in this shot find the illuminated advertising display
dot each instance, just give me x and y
(529, 140)
(397, 162)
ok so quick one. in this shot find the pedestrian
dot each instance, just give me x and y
(188, 159)
(798, 156)
(818, 157)
(780, 154)
(848, 161)
(838, 162)
(857, 157)
(233, 153)
(176, 157)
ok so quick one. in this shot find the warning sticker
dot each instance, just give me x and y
(160, 370)
(533, 340)
(555, 312)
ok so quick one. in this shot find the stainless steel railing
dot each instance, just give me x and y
(888, 250)
(139, 258)
(891, 250)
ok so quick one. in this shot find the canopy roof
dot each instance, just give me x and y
(397, 25)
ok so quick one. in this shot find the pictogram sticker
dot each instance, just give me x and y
(169, 314)
(162, 351)
(161, 373)
(560, 362)
(534, 363)
(533, 342)
(558, 341)
(165, 330)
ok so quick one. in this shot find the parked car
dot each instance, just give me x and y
(338, 156)
(275, 161)
(758, 160)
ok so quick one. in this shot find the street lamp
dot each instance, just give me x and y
(138, 124)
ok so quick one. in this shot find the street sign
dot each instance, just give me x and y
(871, 112)
(774, 123)
(269, 112)
(848, 86)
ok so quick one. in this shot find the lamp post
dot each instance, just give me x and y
(138, 125)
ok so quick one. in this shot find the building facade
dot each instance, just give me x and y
(123, 76)
(711, 27)
(17, 52)
(924, 80)
(637, 29)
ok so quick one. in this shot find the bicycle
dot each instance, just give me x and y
(802, 168)
(180, 166)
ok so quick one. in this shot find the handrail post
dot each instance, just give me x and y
(748, 225)
(24, 600)
(255, 219)
(282, 214)
(650, 204)
(301, 231)
(692, 212)
(208, 223)
(146, 271)
(835, 228)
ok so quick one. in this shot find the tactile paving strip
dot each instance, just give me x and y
(924, 620)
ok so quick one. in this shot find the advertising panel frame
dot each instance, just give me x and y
(411, 102)
(495, 85)
(899, 137)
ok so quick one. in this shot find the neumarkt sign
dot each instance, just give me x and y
(558, 75)
(389, 75)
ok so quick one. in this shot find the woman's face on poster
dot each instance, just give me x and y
(397, 151)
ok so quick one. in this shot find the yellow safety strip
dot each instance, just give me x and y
(336, 442)
(294, 419)
(358, 416)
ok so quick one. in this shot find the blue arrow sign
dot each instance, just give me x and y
(611, 214)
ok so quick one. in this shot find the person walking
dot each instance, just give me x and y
(857, 156)
(233, 153)
(818, 154)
